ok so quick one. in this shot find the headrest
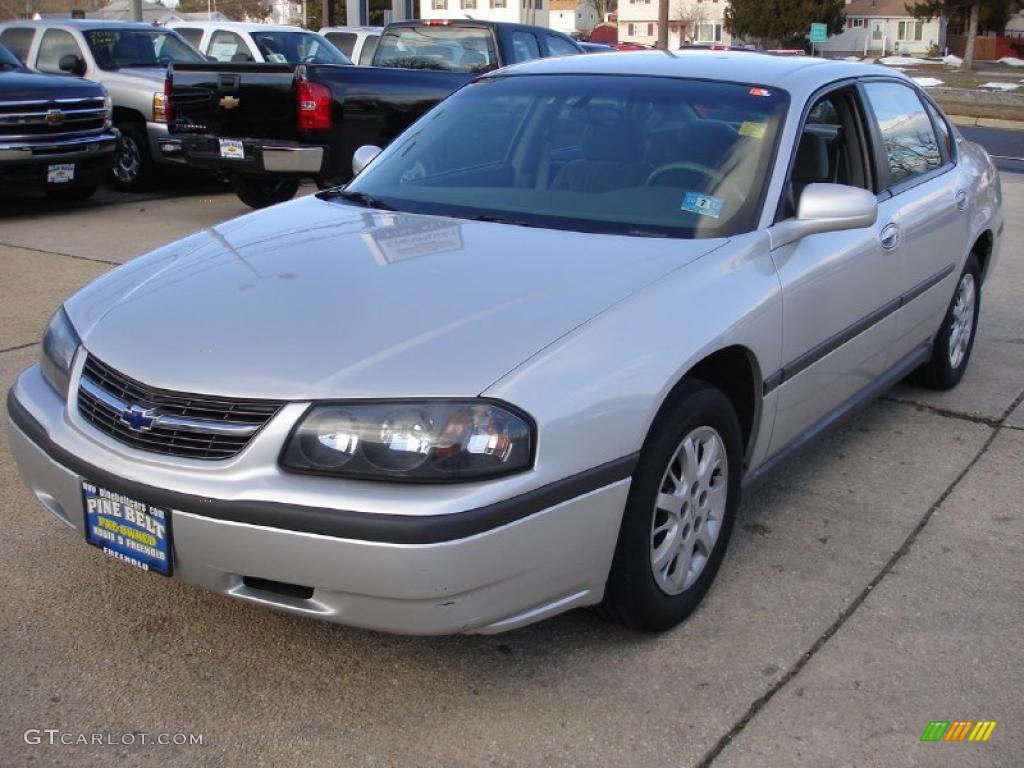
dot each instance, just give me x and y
(811, 163)
(610, 142)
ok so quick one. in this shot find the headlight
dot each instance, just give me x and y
(58, 349)
(108, 108)
(413, 440)
(159, 107)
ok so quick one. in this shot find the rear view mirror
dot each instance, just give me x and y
(363, 157)
(72, 64)
(826, 208)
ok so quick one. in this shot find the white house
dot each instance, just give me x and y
(562, 15)
(516, 11)
(884, 27)
(690, 21)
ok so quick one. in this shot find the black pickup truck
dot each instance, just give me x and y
(267, 126)
(55, 133)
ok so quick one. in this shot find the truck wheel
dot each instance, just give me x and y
(679, 513)
(134, 168)
(261, 191)
(73, 194)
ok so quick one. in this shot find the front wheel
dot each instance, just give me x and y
(680, 511)
(134, 169)
(955, 340)
(263, 191)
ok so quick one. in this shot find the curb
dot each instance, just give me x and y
(988, 122)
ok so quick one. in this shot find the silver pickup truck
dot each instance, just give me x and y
(130, 60)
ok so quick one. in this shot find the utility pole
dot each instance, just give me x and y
(663, 24)
(327, 14)
(136, 10)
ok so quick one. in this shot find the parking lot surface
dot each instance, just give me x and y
(872, 586)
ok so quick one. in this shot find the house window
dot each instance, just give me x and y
(652, 29)
(498, 4)
(709, 33)
(911, 30)
(439, 5)
(855, 23)
(467, 5)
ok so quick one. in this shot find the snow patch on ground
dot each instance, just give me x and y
(1012, 61)
(953, 61)
(852, 58)
(927, 82)
(1000, 86)
(901, 61)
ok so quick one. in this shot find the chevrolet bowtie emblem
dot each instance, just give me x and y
(229, 102)
(54, 117)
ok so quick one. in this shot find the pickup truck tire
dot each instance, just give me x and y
(134, 169)
(72, 194)
(260, 191)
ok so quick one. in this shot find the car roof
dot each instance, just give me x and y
(80, 23)
(245, 26)
(727, 66)
(350, 29)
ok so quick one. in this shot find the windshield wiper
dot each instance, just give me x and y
(495, 219)
(358, 197)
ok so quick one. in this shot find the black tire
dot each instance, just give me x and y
(263, 191)
(72, 194)
(134, 169)
(632, 596)
(940, 372)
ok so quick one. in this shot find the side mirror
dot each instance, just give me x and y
(826, 208)
(363, 157)
(72, 64)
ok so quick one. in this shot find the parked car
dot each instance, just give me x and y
(358, 43)
(596, 47)
(55, 133)
(130, 61)
(267, 128)
(529, 358)
(243, 41)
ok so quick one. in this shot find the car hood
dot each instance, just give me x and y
(24, 85)
(317, 299)
(137, 75)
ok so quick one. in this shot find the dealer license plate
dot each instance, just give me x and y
(128, 530)
(60, 173)
(232, 149)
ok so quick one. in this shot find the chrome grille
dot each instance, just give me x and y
(54, 119)
(188, 425)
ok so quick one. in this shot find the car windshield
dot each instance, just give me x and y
(8, 59)
(297, 48)
(647, 156)
(121, 48)
(450, 49)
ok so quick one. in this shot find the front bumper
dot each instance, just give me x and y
(499, 578)
(262, 156)
(161, 148)
(24, 164)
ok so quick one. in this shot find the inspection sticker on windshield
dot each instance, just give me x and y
(753, 130)
(232, 149)
(61, 173)
(705, 205)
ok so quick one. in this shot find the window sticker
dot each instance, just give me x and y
(753, 130)
(277, 58)
(705, 205)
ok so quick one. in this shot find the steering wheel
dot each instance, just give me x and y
(720, 179)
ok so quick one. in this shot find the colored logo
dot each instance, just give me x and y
(230, 102)
(958, 730)
(139, 417)
(54, 117)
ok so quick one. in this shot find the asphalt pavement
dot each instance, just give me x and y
(1005, 146)
(873, 585)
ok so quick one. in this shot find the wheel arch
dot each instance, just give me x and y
(982, 250)
(127, 115)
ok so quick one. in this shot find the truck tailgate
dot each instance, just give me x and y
(251, 100)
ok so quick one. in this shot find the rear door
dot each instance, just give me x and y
(927, 207)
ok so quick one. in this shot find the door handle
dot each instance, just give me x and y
(961, 199)
(889, 237)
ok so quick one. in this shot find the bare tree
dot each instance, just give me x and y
(691, 15)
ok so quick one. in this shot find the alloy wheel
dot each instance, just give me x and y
(962, 321)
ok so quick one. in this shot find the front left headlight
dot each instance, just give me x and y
(426, 441)
(58, 350)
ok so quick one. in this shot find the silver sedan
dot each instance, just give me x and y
(529, 358)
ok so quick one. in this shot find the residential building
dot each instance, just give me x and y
(690, 21)
(516, 11)
(882, 28)
(562, 15)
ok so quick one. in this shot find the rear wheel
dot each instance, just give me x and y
(263, 191)
(955, 339)
(72, 194)
(679, 514)
(134, 169)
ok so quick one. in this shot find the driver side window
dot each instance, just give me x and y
(830, 150)
(55, 45)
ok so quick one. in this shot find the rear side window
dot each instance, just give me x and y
(193, 35)
(444, 48)
(907, 133)
(369, 46)
(559, 46)
(227, 46)
(943, 130)
(56, 44)
(18, 40)
(524, 46)
(343, 41)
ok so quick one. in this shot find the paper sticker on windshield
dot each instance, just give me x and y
(277, 58)
(705, 205)
(753, 130)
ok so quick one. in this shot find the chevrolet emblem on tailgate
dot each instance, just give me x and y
(229, 102)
